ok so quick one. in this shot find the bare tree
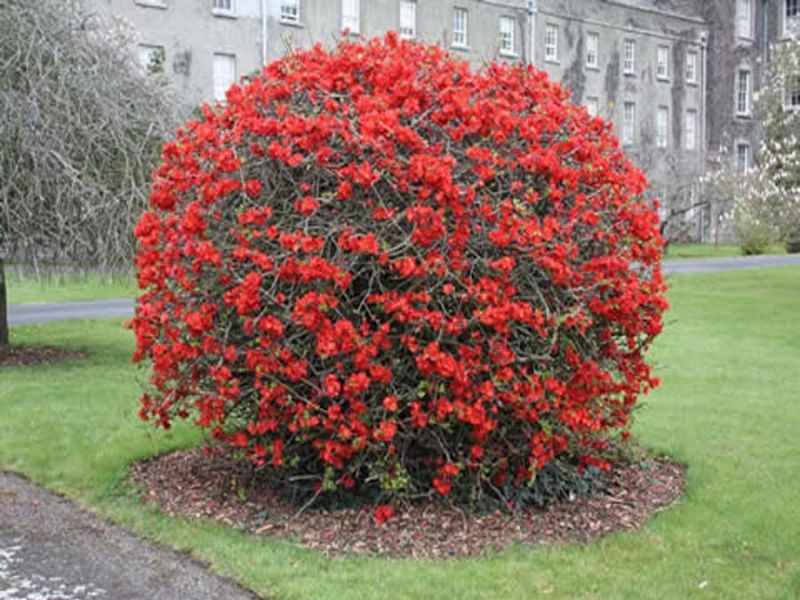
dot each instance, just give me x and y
(81, 126)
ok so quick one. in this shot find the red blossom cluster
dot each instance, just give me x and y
(376, 267)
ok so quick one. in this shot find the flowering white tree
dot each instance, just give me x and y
(777, 170)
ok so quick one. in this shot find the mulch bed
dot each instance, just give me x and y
(188, 483)
(34, 356)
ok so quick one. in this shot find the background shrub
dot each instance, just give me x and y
(375, 270)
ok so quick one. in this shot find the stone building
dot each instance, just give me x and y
(676, 77)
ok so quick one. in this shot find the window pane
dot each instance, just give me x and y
(662, 127)
(459, 27)
(507, 26)
(592, 44)
(691, 130)
(350, 16)
(663, 62)
(290, 11)
(551, 42)
(628, 123)
(408, 19)
(629, 62)
(224, 74)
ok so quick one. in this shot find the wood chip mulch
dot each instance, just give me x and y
(34, 356)
(188, 483)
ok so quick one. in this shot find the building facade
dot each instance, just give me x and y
(676, 77)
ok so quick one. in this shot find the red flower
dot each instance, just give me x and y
(382, 513)
(390, 403)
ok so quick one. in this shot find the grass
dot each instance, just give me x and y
(675, 251)
(23, 289)
(728, 407)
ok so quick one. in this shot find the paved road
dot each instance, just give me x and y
(52, 550)
(23, 314)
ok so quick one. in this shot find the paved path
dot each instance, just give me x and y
(52, 550)
(716, 265)
(23, 314)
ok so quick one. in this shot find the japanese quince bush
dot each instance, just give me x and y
(375, 270)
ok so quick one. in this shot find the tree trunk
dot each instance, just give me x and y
(3, 307)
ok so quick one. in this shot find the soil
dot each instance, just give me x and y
(34, 356)
(189, 483)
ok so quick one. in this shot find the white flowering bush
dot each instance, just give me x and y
(777, 171)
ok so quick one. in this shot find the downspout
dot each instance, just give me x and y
(703, 98)
(531, 31)
(264, 33)
(703, 127)
(765, 6)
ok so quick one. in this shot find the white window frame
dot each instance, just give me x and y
(217, 8)
(743, 166)
(691, 66)
(662, 127)
(593, 50)
(407, 19)
(629, 57)
(790, 22)
(351, 16)
(628, 123)
(593, 106)
(791, 94)
(290, 12)
(744, 19)
(507, 31)
(152, 3)
(743, 95)
(662, 52)
(690, 130)
(150, 49)
(551, 42)
(460, 27)
(219, 90)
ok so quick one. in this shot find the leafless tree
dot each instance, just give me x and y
(81, 126)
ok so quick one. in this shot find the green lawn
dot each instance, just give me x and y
(728, 407)
(25, 289)
(713, 250)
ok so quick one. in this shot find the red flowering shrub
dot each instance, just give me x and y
(374, 269)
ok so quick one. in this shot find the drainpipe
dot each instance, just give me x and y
(765, 7)
(264, 33)
(703, 98)
(532, 31)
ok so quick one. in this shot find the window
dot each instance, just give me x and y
(460, 27)
(662, 127)
(743, 92)
(224, 74)
(408, 19)
(742, 157)
(792, 8)
(507, 27)
(351, 20)
(744, 18)
(690, 130)
(222, 7)
(150, 58)
(629, 57)
(153, 3)
(793, 92)
(691, 66)
(662, 62)
(592, 49)
(551, 42)
(593, 106)
(290, 11)
(628, 123)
